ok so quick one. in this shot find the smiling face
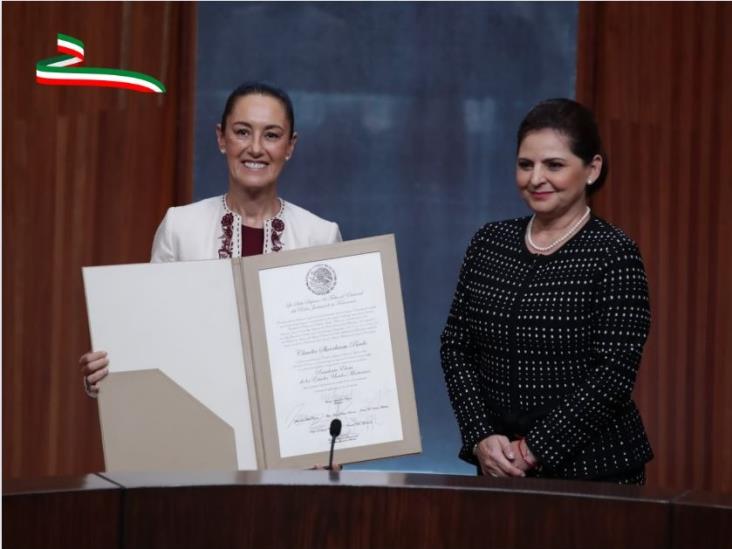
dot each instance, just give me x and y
(256, 141)
(551, 178)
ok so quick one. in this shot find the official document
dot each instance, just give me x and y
(243, 363)
(330, 353)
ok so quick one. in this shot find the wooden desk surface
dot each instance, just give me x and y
(77, 512)
(320, 509)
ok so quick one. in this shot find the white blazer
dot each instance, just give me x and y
(198, 231)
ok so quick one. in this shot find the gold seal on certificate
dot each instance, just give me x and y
(283, 358)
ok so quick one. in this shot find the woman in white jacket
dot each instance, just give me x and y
(257, 136)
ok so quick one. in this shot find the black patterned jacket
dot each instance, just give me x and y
(548, 347)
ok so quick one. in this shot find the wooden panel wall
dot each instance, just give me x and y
(659, 78)
(87, 175)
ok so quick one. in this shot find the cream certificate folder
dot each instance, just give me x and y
(243, 363)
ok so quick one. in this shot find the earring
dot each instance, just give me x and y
(589, 181)
(287, 158)
(222, 151)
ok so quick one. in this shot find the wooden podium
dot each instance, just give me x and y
(319, 509)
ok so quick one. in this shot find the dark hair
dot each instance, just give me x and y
(577, 123)
(260, 88)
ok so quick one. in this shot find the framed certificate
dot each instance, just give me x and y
(329, 341)
(268, 350)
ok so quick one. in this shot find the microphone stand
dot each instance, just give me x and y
(335, 430)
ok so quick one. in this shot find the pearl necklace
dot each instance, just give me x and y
(559, 240)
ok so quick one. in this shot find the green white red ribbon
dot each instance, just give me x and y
(62, 71)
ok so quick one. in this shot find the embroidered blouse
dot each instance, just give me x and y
(252, 241)
(231, 232)
(208, 229)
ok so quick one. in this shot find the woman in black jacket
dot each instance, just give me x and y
(546, 330)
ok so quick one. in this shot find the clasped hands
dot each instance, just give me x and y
(499, 457)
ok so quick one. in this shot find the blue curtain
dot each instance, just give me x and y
(407, 115)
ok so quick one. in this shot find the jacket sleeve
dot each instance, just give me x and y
(619, 327)
(163, 248)
(464, 386)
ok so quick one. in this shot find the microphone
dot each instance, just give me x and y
(335, 430)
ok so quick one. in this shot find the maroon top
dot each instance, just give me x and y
(252, 241)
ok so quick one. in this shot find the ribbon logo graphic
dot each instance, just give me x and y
(61, 71)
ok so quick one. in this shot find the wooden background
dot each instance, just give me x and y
(74, 193)
(659, 78)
